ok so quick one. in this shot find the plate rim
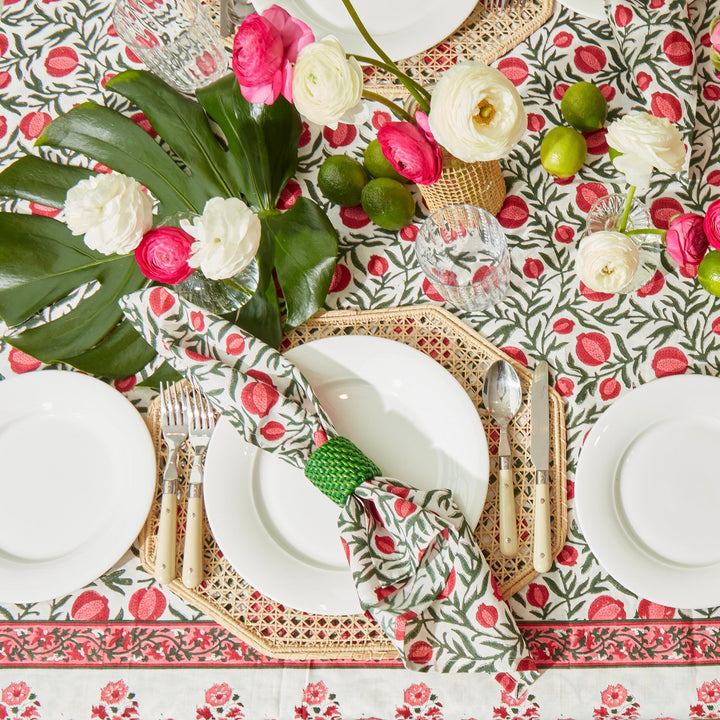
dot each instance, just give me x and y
(113, 408)
(221, 537)
(672, 585)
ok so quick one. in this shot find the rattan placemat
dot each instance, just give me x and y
(486, 35)
(279, 631)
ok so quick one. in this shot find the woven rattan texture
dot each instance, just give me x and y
(283, 632)
(486, 35)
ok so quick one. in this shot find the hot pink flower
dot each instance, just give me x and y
(264, 50)
(412, 150)
(712, 224)
(686, 240)
(715, 36)
(163, 255)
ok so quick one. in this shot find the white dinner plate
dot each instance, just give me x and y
(401, 28)
(647, 491)
(590, 8)
(77, 481)
(401, 408)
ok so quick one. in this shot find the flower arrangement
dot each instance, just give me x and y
(474, 112)
(608, 260)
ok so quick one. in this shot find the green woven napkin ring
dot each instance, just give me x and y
(337, 467)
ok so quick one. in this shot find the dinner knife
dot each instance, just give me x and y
(540, 456)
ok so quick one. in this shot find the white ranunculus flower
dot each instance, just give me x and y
(227, 237)
(327, 86)
(476, 113)
(607, 261)
(111, 211)
(646, 142)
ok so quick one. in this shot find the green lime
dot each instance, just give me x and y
(388, 203)
(563, 151)
(341, 180)
(709, 272)
(378, 165)
(584, 107)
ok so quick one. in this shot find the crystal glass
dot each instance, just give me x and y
(606, 214)
(220, 296)
(463, 251)
(175, 39)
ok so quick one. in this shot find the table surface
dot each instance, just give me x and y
(122, 647)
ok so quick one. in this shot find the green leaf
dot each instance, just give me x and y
(37, 180)
(185, 127)
(116, 141)
(263, 139)
(306, 246)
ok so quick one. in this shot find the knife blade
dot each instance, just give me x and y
(540, 456)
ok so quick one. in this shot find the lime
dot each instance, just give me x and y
(378, 165)
(563, 151)
(341, 180)
(388, 203)
(584, 107)
(709, 272)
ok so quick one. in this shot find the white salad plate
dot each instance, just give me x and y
(590, 8)
(647, 491)
(77, 481)
(401, 408)
(401, 28)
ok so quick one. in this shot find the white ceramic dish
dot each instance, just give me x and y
(401, 408)
(647, 491)
(590, 8)
(77, 481)
(402, 27)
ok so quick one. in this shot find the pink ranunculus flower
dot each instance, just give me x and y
(412, 150)
(686, 240)
(712, 224)
(264, 50)
(715, 35)
(163, 255)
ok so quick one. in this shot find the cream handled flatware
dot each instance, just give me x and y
(174, 432)
(201, 422)
(540, 455)
(502, 397)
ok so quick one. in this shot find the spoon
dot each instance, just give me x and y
(502, 397)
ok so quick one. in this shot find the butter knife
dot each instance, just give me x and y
(540, 456)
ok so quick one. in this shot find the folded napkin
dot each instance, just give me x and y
(657, 43)
(417, 567)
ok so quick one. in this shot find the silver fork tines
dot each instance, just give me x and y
(201, 423)
(175, 432)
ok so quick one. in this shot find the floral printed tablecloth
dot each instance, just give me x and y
(122, 647)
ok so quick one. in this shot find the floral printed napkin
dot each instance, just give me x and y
(416, 565)
(656, 38)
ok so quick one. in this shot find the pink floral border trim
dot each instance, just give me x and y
(152, 644)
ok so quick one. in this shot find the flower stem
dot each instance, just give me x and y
(400, 112)
(646, 231)
(626, 210)
(384, 66)
(389, 64)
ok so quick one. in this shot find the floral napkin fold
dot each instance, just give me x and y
(656, 39)
(417, 567)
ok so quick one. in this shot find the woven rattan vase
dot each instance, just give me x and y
(478, 183)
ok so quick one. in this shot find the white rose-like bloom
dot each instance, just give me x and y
(476, 113)
(327, 86)
(607, 261)
(227, 237)
(646, 142)
(111, 211)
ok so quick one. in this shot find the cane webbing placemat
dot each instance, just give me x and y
(486, 35)
(283, 632)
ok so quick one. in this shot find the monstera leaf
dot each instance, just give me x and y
(219, 146)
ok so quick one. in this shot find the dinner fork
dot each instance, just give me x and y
(201, 422)
(175, 432)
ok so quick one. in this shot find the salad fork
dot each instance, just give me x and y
(174, 430)
(201, 423)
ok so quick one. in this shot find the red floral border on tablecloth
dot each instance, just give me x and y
(576, 644)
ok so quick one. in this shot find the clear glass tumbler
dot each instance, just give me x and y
(463, 252)
(175, 39)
